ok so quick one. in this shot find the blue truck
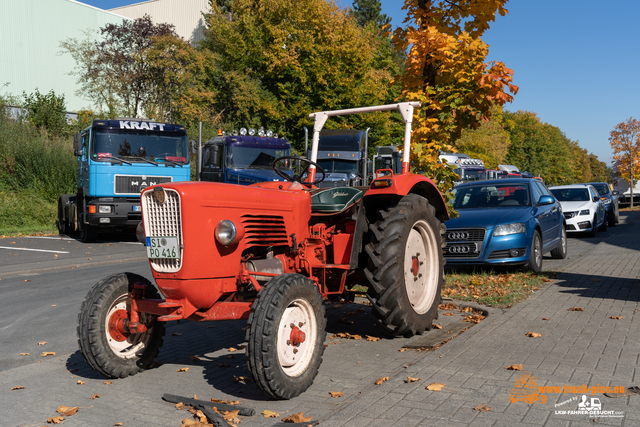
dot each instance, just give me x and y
(117, 159)
(242, 159)
(342, 153)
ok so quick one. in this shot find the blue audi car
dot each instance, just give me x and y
(505, 222)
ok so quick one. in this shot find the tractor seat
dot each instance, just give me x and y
(334, 200)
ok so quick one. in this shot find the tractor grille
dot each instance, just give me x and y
(163, 220)
(264, 230)
(134, 184)
(463, 242)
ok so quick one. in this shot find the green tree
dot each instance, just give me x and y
(277, 61)
(369, 11)
(47, 112)
(489, 142)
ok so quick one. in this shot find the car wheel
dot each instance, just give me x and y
(617, 215)
(561, 251)
(594, 227)
(603, 226)
(535, 256)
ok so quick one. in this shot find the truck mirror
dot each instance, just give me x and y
(77, 144)
(194, 146)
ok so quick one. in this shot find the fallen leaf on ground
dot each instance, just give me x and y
(296, 418)
(201, 416)
(476, 318)
(616, 317)
(48, 353)
(232, 349)
(576, 309)
(402, 350)
(545, 318)
(118, 424)
(26, 280)
(370, 338)
(24, 354)
(348, 336)
(435, 387)
(241, 380)
(336, 393)
(231, 416)
(436, 326)
(270, 414)
(517, 367)
(55, 420)
(534, 334)
(67, 411)
(195, 358)
(180, 405)
(108, 382)
(94, 396)
(182, 370)
(481, 408)
(80, 382)
(544, 279)
(381, 380)
(412, 380)
(42, 342)
(227, 401)
(176, 334)
(448, 313)
(450, 306)
(18, 387)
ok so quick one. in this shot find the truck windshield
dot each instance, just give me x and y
(338, 166)
(132, 146)
(242, 157)
(470, 175)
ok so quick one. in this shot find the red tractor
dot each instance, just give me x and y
(272, 253)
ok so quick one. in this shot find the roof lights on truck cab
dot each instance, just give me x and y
(261, 132)
(227, 233)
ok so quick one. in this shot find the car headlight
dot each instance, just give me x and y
(585, 212)
(607, 201)
(104, 209)
(506, 229)
(227, 233)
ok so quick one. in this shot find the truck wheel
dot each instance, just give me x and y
(406, 267)
(102, 346)
(561, 251)
(286, 336)
(88, 233)
(535, 254)
(63, 225)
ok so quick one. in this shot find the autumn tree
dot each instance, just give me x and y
(369, 11)
(447, 71)
(625, 143)
(489, 142)
(277, 61)
(112, 69)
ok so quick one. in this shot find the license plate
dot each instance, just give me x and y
(137, 209)
(163, 248)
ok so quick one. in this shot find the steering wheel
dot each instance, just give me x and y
(297, 177)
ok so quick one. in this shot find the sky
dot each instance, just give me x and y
(576, 62)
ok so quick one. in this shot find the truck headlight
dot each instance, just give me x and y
(104, 209)
(506, 229)
(585, 212)
(227, 233)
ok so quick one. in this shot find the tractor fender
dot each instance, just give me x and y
(412, 183)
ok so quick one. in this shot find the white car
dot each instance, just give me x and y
(582, 208)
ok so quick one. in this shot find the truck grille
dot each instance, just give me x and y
(264, 230)
(134, 184)
(463, 242)
(163, 220)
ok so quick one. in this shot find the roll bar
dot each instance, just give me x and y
(320, 118)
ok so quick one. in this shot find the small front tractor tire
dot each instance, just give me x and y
(406, 267)
(104, 349)
(286, 336)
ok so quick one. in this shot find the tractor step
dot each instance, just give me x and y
(169, 305)
(169, 317)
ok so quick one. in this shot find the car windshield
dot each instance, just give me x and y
(140, 146)
(243, 157)
(338, 166)
(491, 196)
(603, 189)
(571, 194)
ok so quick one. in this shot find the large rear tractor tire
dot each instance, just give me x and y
(106, 350)
(406, 267)
(286, 336)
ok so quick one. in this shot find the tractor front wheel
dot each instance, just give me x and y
(406, 267)
(103, 345)
(286, 336)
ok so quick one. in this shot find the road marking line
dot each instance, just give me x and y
(51, 238)
(35, 250)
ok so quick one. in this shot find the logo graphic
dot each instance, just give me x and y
(594, 405)
(457, 235)
(159, 194)
(526, 390)
(163, 242)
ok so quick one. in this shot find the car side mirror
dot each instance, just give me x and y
(546, 200)
(615, 192)
(596, 199)
(77, 144)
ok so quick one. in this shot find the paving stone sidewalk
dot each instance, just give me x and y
(576, 347)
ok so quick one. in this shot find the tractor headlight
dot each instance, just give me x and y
(506, 229)
(227, 233)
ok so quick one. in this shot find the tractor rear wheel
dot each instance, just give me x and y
(286, 336)
(103, 346)
(406, 266)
